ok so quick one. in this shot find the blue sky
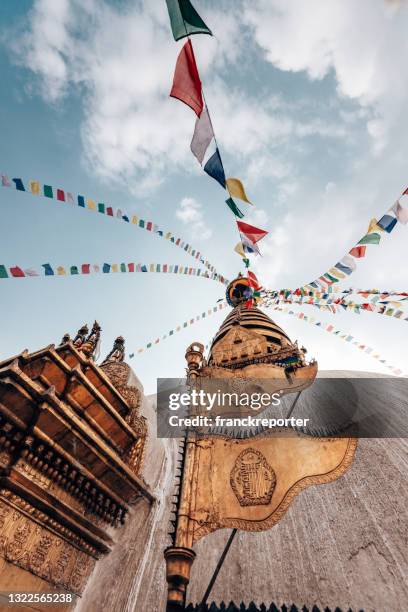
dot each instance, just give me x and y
(309, 110)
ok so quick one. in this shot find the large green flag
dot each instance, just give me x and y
(185, 20)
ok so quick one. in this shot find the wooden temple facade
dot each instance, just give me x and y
(71, 451)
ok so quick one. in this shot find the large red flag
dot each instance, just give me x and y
(252, 233)
(186, 82)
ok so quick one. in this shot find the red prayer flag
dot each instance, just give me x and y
(405, 192)
(17, 272)
(252, 233)
(109, 211)
(358, 251)
(131, 267)
(186, 82)
(85, 268)
(60, 195)
(149, 226)
(253, 281)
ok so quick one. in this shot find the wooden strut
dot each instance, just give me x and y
(291, 409)
(217, 570)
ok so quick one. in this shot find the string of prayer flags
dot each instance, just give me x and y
(237, 190)
(202, 137)
(234, 208)
(398, 212)
(187, 323)
(186, 82)
(184, 19)
(254, 234)
(88, 204)
(215, 169)
(341, 336)
(106, 268)
(187, 87)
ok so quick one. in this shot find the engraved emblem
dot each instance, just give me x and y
(252, 478)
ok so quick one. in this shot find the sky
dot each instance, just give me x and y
(308, 102)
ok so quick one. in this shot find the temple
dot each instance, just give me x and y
(91, 499)
(71, 452)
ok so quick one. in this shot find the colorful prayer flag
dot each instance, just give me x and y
(401, 212)
(60, 195)
(48, 270)
(237, 212)
(35, 187)
(358, 251)
(19, 184)
(186, 82)
(387, 222)
(185, 20)
(215, 169)
(203, 135)
(252, 233)
(48, 191)
(237, 190)
(17, 272)
(372, 238)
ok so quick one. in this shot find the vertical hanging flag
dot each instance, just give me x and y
(230, 202)
(387, 222)
(215, 169)
(249, 246)
(19, 184)
(401, 212)
(17, 272)
(358, 251)
(186, 82)
(48, 270)
(252, 233)
(237, 190)
(185, 20)
(203, 135)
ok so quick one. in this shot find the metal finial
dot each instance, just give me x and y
(118, 351)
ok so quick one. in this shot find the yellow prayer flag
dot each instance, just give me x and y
(35, 187)
(61, 271)
(240, 249)
(135, 220)
(91, 204)
(337, 273)
(236, 189)
(114, 268)
(151, 267)
(373, 227)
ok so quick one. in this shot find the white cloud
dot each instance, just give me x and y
(363, 42)
(190, 213)
(122, 61)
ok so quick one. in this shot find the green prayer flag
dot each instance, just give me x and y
(373, 238)
(185, 20)
(3, 272)
(230, 202)
(48, 191)
(101, 208)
